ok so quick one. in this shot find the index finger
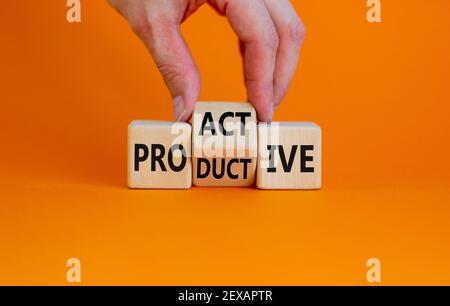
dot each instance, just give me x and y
(253, 25)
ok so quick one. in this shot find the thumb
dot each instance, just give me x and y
(174, 60)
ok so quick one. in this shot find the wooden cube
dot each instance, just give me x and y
(289, 156)
(159, 155)
(224, 143)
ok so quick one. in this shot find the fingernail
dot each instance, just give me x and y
(178, 108)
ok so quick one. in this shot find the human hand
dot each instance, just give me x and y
(270, 33)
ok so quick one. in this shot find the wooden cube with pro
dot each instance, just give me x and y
(224, 144)
(289, 156)
(159, 155)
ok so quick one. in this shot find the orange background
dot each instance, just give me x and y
(379, 91)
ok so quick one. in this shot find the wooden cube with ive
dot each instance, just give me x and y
(289, 156)
(224, 144)
(159, 155)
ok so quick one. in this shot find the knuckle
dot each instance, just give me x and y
(271, 37)
(171, 73)
(296, 30)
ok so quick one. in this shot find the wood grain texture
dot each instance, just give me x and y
(224, 141)
(151, 162)
(289, 156)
